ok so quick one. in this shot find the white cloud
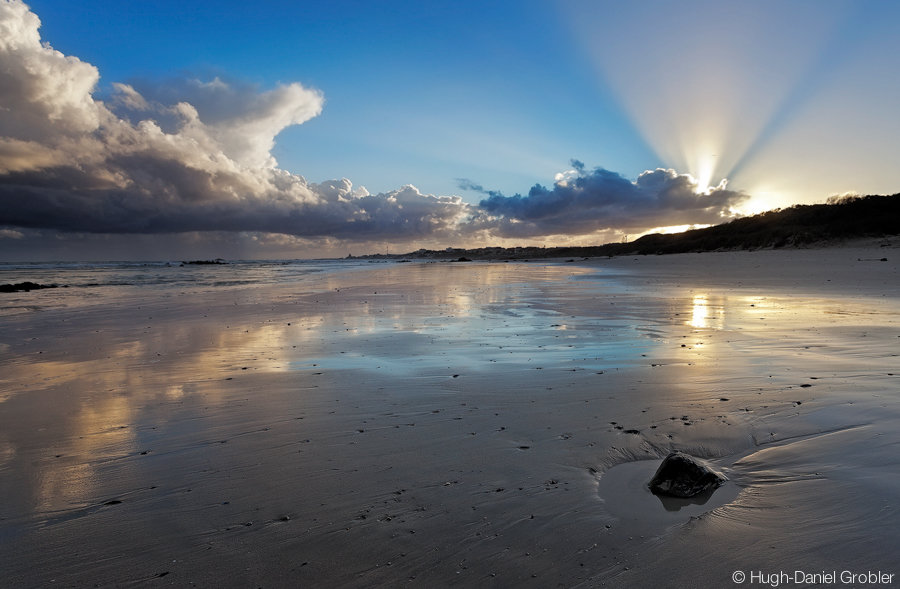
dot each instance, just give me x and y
(242, 120)
(43, 92)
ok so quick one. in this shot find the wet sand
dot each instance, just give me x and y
(477, 424)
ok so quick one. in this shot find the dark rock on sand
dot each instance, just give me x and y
(216, 262)
(24, 286)
(682, 475)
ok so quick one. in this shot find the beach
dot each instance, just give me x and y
(484, 424)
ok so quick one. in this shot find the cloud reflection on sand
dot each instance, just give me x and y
(448, 399)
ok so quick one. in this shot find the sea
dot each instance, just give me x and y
(82, 281)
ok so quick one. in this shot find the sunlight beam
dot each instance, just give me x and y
(707, 96)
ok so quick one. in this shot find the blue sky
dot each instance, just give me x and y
(419, 93)
(790, 101)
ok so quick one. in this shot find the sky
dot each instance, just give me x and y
(190, 129)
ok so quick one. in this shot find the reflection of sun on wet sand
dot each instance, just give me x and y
(474, 424)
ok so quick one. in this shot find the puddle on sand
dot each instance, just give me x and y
(626, 495)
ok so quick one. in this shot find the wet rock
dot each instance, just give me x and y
(682, 475)
(216, 262)
(25, 286)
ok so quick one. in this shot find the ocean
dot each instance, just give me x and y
(81, 282)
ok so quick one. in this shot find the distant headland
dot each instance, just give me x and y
(842, 218)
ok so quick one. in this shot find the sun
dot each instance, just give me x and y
(703, 169)
(704, 175)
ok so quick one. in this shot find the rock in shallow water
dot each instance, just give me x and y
(682, 475)
(24, 286)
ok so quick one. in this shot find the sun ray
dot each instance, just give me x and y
(715, 103)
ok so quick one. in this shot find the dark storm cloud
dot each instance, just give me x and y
(468, 185)
(584, 201)
(183, 202)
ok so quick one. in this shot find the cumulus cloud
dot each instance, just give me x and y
(191, 155)
(242, 120)
(583, 201)
(43, 92)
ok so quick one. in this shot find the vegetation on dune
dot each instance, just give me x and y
(841, 218)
